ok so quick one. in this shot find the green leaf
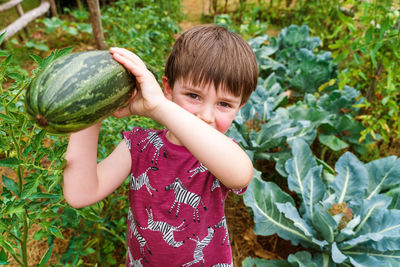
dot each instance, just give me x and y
(37, 59)
(292, 214)
(17, 77)
(8, 119)
(30, 188)
(251, 262)
(3, 254)
(6, 245)
(298, 166)
(314, 190)
(46, 256)
(369, 257)
(352, 179)
(303, 259)
(332, 141)
(62, 52)
(10, 184)
(395, 195)
(2, 35)
(382, 174)
(372, 55)
(262, 197)
(356, 58)
(337, 255)
(380, 232)
(324, 223)
(10, 162)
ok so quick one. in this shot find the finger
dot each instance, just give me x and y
(122, 112)
(137, 68)
(127, 54)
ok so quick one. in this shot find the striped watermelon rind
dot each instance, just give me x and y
(78, 90)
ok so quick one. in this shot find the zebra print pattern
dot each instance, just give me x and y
(200, 245)
(133, 262)
(156, 141)
(222, 223)
(143, 179)
(135, 232)
(182, 195)
(128, 143)
(215, 184)
(164, 228)
(197, 170)
(223, 265)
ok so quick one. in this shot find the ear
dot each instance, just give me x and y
(167, 88)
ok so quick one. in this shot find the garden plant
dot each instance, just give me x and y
(322, 129)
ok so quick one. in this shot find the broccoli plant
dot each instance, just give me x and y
(294, 58)
(342, 217)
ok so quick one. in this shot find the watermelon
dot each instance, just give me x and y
(78, 90)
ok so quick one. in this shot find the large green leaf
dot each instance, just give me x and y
(324, 223)
(295, 36)
(309, 71)
(262, 198)
(251, 262)
(380, 232)
(369, 257)
(352, 179)
(298, 166)
(313, 191)
(395, 195)
(332, 141)
(382, 174)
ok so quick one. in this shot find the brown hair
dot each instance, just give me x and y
(210, 54)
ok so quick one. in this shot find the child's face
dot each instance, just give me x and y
(217, 109)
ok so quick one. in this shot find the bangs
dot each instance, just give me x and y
(215, 56)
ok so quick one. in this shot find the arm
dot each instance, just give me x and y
(85, 181)
(218, 153)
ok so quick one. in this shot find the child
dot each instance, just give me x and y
(180, 176)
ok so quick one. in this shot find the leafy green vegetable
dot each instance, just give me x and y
(345, 221)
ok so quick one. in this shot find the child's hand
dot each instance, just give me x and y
(149, 94)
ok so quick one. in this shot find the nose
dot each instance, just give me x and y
(206, 113)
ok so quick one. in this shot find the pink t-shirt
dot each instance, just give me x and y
(176, 215)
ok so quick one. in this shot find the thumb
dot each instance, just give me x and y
(126, 110)
(122, 112)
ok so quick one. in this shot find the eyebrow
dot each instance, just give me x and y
(191, 88)
(230, 99)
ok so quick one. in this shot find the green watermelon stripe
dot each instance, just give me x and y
(78, 90)
(95, 101)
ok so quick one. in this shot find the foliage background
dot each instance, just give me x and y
(356, 43)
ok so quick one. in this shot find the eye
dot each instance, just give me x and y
(193, 96)
(225, 105)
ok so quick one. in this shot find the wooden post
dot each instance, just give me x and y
(53, 8)
(95, 19)
(20, 12)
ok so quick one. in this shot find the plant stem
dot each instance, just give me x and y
(323, 152)
(25, 241)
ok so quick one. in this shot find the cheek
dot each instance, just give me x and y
(224, 122)
(185, 105)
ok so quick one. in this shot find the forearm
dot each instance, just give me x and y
(217, 152)
(80, 173)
